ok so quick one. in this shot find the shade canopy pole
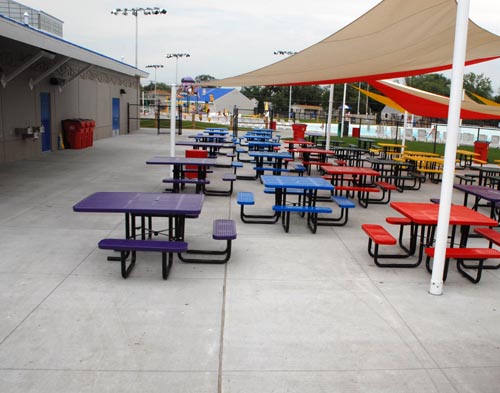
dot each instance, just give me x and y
(173, 115)
(461, 28)
(359, 96)
(329, 119)
(403, 138)
(343, 110)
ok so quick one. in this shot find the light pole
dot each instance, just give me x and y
(155, 66)
(287, 53)
(135, 12)
(177, 56)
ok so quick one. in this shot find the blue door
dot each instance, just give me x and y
(116, 116)
(45, 120)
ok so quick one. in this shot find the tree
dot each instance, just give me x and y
(159, 86)
(352, 97)
(478, 84)
(260, 93)
(203, 78)
(310, 95)
(279, 96)
(433, 83)
(150, 87)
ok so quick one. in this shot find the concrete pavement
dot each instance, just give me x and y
(291, 312)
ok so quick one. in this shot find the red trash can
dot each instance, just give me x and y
(299, 131)
(74, 134)
(91, 137)
(272, 125)
(356, 132)
(87, 136)
(481, 148)
(74, 139)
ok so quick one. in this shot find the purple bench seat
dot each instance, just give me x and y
(222, 229)
(125, 246)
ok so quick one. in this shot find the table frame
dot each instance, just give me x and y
(310, 187)
(424, 219)
(178, 163)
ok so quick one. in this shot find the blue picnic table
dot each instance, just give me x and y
(310, 187)
(212, 147)
(275, 163)
(268, 145)
(216, 131)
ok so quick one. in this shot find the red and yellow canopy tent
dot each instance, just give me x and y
(382, 99)
(484, 100)
(423, 103)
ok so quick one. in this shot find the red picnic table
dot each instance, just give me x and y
(424, 216)
(360, 181)
(313, 156)
(292, 143)
(423, 220)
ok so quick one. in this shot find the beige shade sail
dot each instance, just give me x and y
(396, 38)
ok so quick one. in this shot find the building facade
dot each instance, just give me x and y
(45, 80)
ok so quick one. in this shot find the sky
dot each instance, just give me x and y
(223, 37)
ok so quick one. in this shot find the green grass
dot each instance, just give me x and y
(165, 123)
(493, 153)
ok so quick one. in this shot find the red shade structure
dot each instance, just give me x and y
(423, 103)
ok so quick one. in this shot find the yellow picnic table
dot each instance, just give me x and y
(432, 167)
(390, 149)
(466, 157)
(421, 153)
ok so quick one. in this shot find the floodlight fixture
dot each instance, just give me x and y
(135, 12)
(177, 56)
(155, 66)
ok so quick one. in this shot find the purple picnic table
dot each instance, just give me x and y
(178, 163)
(480, 192)
(176, 207)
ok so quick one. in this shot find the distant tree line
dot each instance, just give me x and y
(439, 84)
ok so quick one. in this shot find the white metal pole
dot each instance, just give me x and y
(173, 115)
(343, 110)
(403, 138)
(329, 120)
(366, 109)
(155, 85)
(457, 76)
(359, 96)
(136, 38)
(176, 66)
